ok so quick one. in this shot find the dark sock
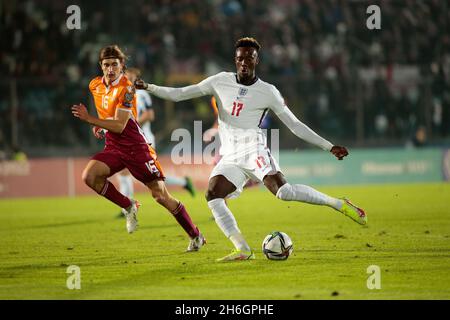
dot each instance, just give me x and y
(110, 192)
(185, 221)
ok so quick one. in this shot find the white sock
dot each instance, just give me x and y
(126, 186)
(303, 193)
(239, 242)
(227, 223)
(175, 181)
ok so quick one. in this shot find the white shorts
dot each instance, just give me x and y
(253, 166)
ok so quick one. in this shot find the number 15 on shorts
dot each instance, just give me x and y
(152, 167)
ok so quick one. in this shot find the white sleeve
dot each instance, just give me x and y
(144, 101)
(277, 103)
(148, 101)
(202, 88)
(297, 127)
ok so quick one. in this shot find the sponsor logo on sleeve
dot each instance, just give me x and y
(128, 98)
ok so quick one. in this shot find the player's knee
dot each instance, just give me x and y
(88, 178)
(213, 193)
(208, 196)
(285, 192)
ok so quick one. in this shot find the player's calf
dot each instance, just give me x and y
(304, 193)
(175, 207)
(162, 195)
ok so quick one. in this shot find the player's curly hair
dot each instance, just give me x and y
(112, 52)
(247, 42)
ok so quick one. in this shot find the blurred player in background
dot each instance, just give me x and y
(126, 146)
(243, 100)
(146, 115)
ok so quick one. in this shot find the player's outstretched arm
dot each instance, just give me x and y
(169, 93)
(115, 125)
(302, 131)
(177, 94)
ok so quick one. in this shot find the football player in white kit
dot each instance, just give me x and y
(146, 115)
(243, 100)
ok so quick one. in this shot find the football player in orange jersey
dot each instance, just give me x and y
(145, 116)
(126, 146)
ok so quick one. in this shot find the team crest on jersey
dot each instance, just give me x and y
(242, 91)
(129, 95)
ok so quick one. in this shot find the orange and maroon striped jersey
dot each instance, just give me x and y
(120, 94)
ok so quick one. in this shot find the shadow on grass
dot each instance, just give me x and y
(66, 224)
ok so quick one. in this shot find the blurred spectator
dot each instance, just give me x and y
(419, 139)
(3, 149)
(18, 154)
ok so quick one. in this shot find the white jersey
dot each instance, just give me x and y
(242, 106)
(241, 111)
(144, 103)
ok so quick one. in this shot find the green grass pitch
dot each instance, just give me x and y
(408, 237)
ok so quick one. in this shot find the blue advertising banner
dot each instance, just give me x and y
(367, 166)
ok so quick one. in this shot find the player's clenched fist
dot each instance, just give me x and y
(140, 84)
(339, 152)
(98, 132)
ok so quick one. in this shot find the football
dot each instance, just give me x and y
(277, 246)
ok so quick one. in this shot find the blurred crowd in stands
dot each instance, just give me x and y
(349, 83)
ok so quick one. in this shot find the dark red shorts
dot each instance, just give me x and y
(141, 161)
